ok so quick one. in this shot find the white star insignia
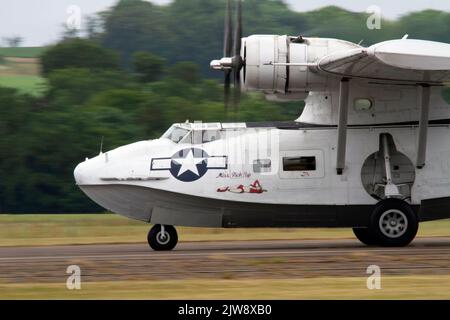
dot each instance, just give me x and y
(189, 163)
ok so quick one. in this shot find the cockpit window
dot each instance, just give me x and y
(176, 134)
(179, 133)
(202, 136)
(211, 135)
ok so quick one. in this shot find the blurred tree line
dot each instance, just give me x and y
(89, 96)
(192, 30)
(141, 68)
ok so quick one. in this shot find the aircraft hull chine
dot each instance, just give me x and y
(168, 208)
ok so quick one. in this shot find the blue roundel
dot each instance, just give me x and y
(189, 165)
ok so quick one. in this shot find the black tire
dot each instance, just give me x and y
(365, 236)
(393, 223)
(157, 243)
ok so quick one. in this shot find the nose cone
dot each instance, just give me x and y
(80, 172)
(89, 171)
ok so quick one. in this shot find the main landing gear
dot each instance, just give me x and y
(162, 238)
(392, 224)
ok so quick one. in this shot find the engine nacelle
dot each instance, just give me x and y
(283, 65)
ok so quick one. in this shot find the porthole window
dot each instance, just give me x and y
(363, 104)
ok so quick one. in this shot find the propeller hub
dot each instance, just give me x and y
(222, 64)
(227, 63)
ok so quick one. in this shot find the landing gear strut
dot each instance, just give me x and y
(162, 238)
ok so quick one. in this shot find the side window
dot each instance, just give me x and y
(299, 164)
(262, 165)
(363, 104)
(302, 164)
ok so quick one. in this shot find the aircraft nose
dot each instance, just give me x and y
(79, 172)
(89, 171)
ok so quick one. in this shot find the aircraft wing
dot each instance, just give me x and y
(404, 60)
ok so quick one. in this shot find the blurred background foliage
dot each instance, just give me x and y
(140, 68)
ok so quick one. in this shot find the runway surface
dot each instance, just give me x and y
(237, 259)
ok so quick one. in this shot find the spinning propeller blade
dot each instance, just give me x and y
(227, 51)
(232, 62)
(237, 53)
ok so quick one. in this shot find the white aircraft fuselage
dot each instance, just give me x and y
(266, 175)
(370, 150)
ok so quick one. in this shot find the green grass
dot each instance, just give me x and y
(44, 229)
(22, 74)
(392, 287)
(25, 52)
(33, 85)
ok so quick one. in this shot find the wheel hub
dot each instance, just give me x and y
(393, 223)
(163, 238)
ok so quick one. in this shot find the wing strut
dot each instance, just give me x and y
(424, 95)
(342, 125)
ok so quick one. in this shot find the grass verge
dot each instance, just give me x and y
(65, 229)
(23, 52)
(33, 85)
(392, 287)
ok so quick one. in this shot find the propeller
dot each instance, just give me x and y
(232, 62)
(227, 51)
(237, 55)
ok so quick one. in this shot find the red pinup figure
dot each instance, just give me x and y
(255, 187)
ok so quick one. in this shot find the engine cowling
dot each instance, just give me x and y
(279, 65)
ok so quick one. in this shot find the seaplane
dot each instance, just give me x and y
(370, 151)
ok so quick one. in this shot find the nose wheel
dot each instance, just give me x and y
(162, 238)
